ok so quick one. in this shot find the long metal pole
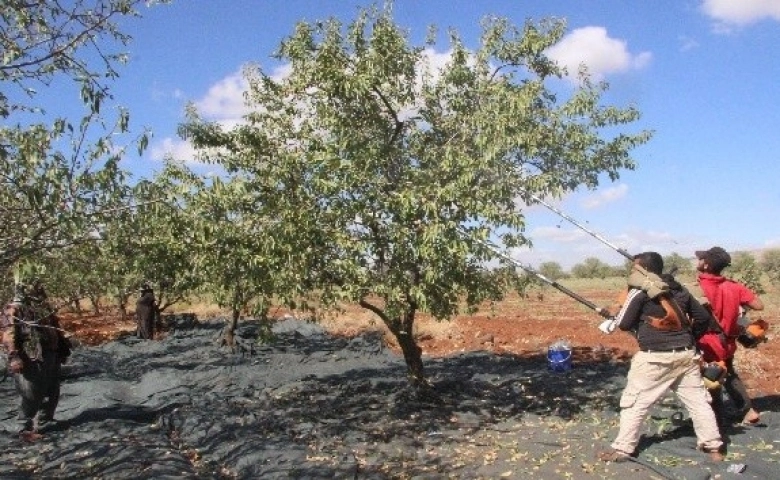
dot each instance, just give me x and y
(582, 227)
(601, 311)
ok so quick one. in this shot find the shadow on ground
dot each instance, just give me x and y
(309, 405)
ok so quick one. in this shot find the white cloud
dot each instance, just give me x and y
(602, 55)
(178, 149)
(434, 61)
(281, 72)
(225, 99)
(649, 240)
(688, 43)
(224, 103)
(603, 197)
(740, 12)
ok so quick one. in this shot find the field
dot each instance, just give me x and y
(523, 326)
(327, 401)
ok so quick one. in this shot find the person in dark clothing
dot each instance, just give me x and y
(146, 312)
(666, 360)
(36, 348)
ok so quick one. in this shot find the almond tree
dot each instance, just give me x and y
(153, 241)
(238, 256)
(385, 173)
(58, 175)
(592, 267)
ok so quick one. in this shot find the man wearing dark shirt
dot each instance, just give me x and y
(146, 312)
(666, 360)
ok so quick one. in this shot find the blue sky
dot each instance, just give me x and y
(704, 74)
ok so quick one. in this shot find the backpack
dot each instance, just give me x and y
(684, 297)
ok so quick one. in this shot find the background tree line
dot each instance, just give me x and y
(753, 269)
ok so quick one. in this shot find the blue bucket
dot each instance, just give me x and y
(559, 359)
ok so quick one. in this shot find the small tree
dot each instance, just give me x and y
(674, 262)
(592, 267)
(744, 269)
(160, 235)
(74, 274)
(231, 247)
(552, 270)
(770, 264)
(383, 176)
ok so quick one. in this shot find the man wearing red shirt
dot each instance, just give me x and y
(725, 298)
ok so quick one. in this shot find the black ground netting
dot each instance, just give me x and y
(309, 405)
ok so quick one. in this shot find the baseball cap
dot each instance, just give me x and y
(716, 257)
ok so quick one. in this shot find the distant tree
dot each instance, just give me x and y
(552, 270)
(618, 271)
(677, 263)
(744, 269)
(592, 268)
(380, 176)
(75, 274)
(770, 264)
(626, 267)
(59, 176)
(235, 251)
(162, 243)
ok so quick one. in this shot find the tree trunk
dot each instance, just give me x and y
(229, 334)
(402, 328)
(122, 304)
(95, 300)
(75, 302)
(412, 355)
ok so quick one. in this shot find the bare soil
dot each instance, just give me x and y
(518, 325)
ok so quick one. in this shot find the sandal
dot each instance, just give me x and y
(751, 417)
(613, 455)
(716, 455)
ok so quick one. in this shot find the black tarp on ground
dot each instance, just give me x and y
(310, 405)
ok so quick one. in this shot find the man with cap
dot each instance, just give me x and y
(725, 298)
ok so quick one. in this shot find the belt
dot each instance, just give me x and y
(668, 350)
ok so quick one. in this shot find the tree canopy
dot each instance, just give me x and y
(383, 173)
(58, 176)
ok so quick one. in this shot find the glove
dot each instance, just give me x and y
(647, 281)
(608, 326)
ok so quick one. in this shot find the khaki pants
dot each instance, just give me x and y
(651, 375)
